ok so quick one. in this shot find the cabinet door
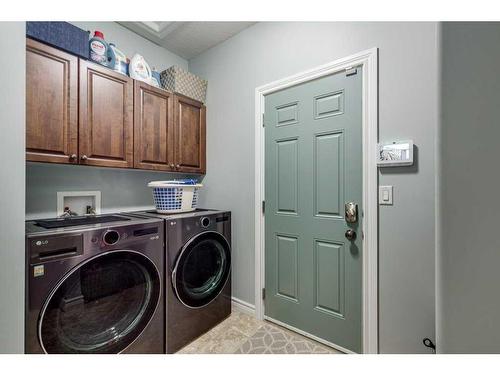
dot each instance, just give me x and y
(106, 122)
(51, 104)
(189, 135)
(153, 128)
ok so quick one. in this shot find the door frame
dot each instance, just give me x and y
(368, 62)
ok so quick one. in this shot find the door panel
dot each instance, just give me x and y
(287, 154)
(329, 282)
(51, 104)
(313, 148)
(328, 172)
(189, 134)
(287, 114)
(153, 128)
(329, 105)
(106, 123)
(286, 271)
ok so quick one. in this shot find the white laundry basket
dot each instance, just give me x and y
(175, 196)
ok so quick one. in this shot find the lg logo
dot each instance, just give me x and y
(40, 243)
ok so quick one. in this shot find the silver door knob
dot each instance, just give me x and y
(177, 166)
(72, 157)
(84, 157)
(350, 235)
(172, 165)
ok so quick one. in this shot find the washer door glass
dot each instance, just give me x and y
(101, 306)
(202, 269)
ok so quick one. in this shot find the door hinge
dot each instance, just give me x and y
(263, 293)
(263, 207)
(351, 71)
(263, 125)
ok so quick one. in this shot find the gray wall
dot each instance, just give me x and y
(121, 190)
(12, 104)
(408, 108)
(130, 43)
(469, 256)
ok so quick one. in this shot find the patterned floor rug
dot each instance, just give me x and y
(272, 340)
(243, 334)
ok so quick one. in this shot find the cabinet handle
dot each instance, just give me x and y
(72, 157)
(84, 157)
(172, 165)
(177, 166)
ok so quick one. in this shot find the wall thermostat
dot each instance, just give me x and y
(395, 154)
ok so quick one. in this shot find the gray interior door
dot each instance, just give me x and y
(313, 168)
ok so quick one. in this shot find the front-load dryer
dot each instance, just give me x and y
(95, 285)
(198, 274)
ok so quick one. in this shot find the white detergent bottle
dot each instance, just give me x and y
(139, 69)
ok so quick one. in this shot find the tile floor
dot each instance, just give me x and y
(243, 334)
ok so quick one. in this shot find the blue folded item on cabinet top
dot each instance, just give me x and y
(62, 35)
(156, 76)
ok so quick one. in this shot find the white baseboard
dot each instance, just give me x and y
(242, 306)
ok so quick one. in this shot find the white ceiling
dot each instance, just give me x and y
(186, 39)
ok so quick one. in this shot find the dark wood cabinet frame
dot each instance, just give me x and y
(78, 112)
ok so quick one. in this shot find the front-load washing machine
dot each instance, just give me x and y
(198, 274)
(95, 285)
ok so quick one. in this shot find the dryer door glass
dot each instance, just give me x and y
(101, 306)
(202, 269)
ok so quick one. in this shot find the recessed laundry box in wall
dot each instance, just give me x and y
(78, 202)
(175, 196)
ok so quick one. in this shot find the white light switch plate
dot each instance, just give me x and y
(385, 195)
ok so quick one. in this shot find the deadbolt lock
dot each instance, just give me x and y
(351, 212)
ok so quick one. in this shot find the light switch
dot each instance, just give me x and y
(385, 195)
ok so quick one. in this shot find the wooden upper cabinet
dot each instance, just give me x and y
(153, 128)
(189, 135)
(51, 104)
(82, 113)
(106, 117)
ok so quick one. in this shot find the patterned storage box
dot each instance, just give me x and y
(182, 82)
(62, 35)
(175, 196)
